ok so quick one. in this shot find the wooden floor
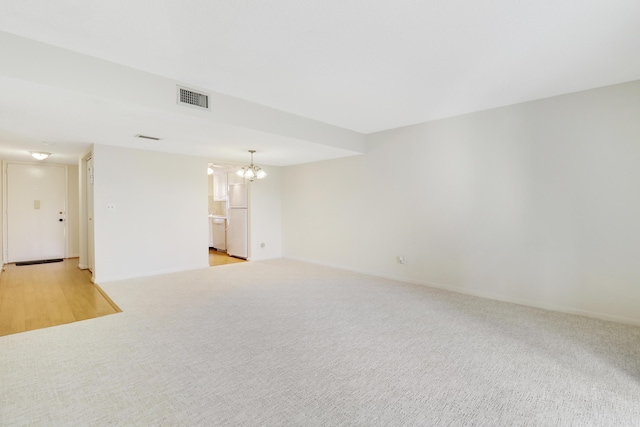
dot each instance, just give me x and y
(44, 295)
(221, 258)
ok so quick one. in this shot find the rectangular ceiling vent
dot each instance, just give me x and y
(147, 137)
(191, 98)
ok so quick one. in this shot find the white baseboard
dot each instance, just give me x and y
(106, 279)
(481, 294)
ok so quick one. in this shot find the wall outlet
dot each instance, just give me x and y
(401, 259)
(111, 207)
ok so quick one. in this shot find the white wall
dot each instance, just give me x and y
(265, 216)
(159, 223)
(536, 203)
(73, 212)
(1, 228)
(83, 259)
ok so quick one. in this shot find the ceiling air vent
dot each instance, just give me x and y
(147, 137)
(192, 98)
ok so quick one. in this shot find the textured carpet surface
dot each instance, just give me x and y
(287, 343)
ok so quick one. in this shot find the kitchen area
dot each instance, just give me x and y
(228, 215)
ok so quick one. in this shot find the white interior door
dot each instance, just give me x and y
(36, 216)
(89, 187)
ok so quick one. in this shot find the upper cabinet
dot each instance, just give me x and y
(219, 187)
(220, 181)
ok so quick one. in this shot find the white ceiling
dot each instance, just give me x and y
(363, 65)
(36, 117)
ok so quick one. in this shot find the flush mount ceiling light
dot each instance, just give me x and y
(251, 172)
(39, 155)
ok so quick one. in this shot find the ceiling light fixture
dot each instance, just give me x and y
(251, 172)
(39, 155)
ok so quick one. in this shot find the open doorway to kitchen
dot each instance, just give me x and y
(221, 258)
(227, 216)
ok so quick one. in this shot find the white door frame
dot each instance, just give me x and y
(5, 207)
(84, 222)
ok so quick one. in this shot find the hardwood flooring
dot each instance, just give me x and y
(221, 258)
(44, 295)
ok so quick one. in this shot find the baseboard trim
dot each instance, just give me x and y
(480, 294)
(114, 278)
(106, 297)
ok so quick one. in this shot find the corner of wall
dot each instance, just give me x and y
(2, 195)
(265, 216)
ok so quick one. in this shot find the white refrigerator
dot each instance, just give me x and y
(237, 221)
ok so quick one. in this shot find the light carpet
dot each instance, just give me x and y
(287, 343)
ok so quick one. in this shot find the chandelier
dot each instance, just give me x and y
(251, 172)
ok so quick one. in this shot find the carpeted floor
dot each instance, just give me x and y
(287, 343)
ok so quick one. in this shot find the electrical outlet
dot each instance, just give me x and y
(111, 207)
(401, 259)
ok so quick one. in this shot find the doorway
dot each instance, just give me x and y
(89, 211)
(228, 240)
(221, 258)
(35, 218)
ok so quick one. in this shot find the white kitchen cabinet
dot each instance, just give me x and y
(220, 187)
(219, 233)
